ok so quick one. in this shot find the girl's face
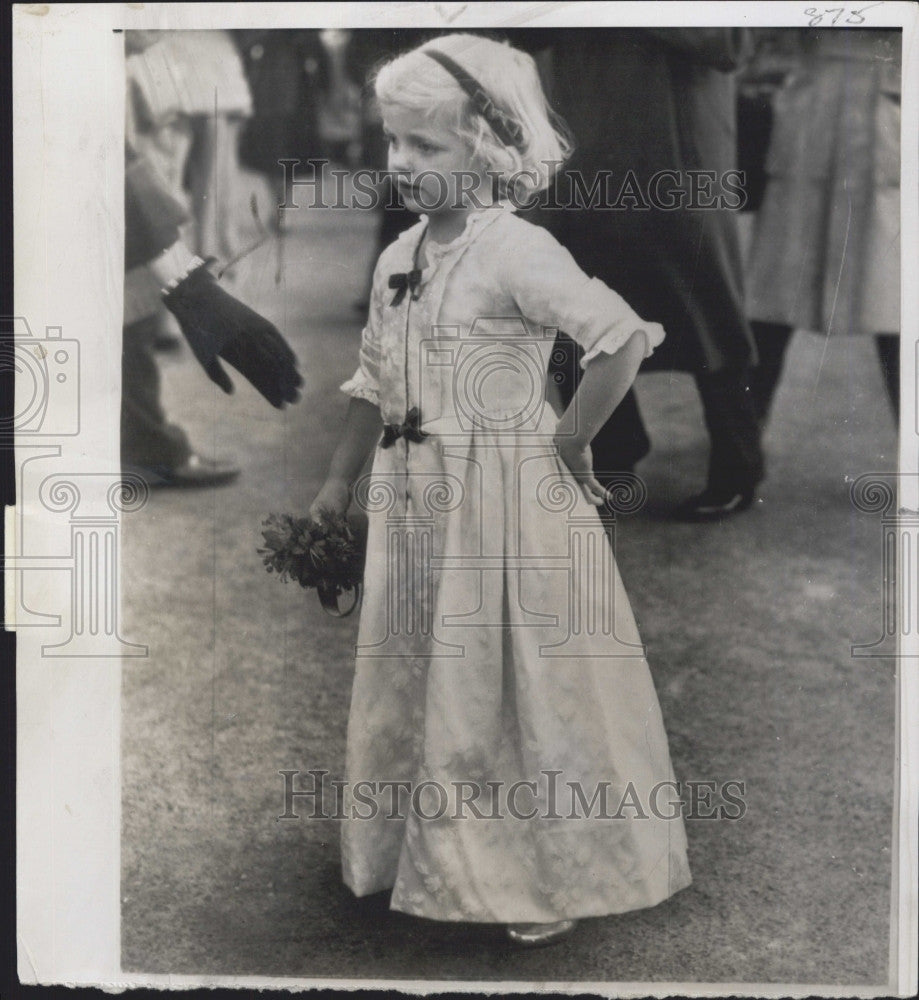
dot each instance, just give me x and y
(434, 171)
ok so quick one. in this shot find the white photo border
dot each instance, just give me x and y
(68, 107)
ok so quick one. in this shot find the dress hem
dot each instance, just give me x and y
(602, 909)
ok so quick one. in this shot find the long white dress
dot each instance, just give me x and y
(496, 645)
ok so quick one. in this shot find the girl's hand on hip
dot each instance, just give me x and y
(577, 456)
(333, 498)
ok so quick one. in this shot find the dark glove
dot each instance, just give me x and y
(217, 325)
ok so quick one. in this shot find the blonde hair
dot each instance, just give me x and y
(509, 77)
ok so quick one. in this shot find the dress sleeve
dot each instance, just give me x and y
(550, 288)
(365, 383)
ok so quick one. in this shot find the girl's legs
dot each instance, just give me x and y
(888, 348)
(199, 175)
(147, 436)
(771, 343)
(735, 462)
(151, 446)
(229, 218)
(214, 181)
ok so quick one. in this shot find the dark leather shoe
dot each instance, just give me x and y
(195, 472)
(714, 505)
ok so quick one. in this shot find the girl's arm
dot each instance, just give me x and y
(363, 427)
(546, 282)
(606, 380)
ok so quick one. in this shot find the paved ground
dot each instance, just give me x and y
(748, 627)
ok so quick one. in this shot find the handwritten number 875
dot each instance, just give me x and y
(852, 16)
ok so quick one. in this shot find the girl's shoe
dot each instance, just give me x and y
(539, 935)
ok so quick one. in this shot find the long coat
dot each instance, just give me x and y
(826, 247)
(645, 101)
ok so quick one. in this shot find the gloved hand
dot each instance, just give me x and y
(217, 325)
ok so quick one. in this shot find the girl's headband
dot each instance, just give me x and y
(504, 127)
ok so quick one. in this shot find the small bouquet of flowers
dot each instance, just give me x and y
(327, 554)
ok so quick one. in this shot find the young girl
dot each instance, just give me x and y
(506, 759)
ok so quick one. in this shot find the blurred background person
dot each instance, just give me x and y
(340, 110)
(774, 53)
(282, 69)
(192, 101)
(825, 253)
(641, 102)
(368, 49)
(162, 272)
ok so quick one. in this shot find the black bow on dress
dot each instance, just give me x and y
(410, 281)
(410, 430)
